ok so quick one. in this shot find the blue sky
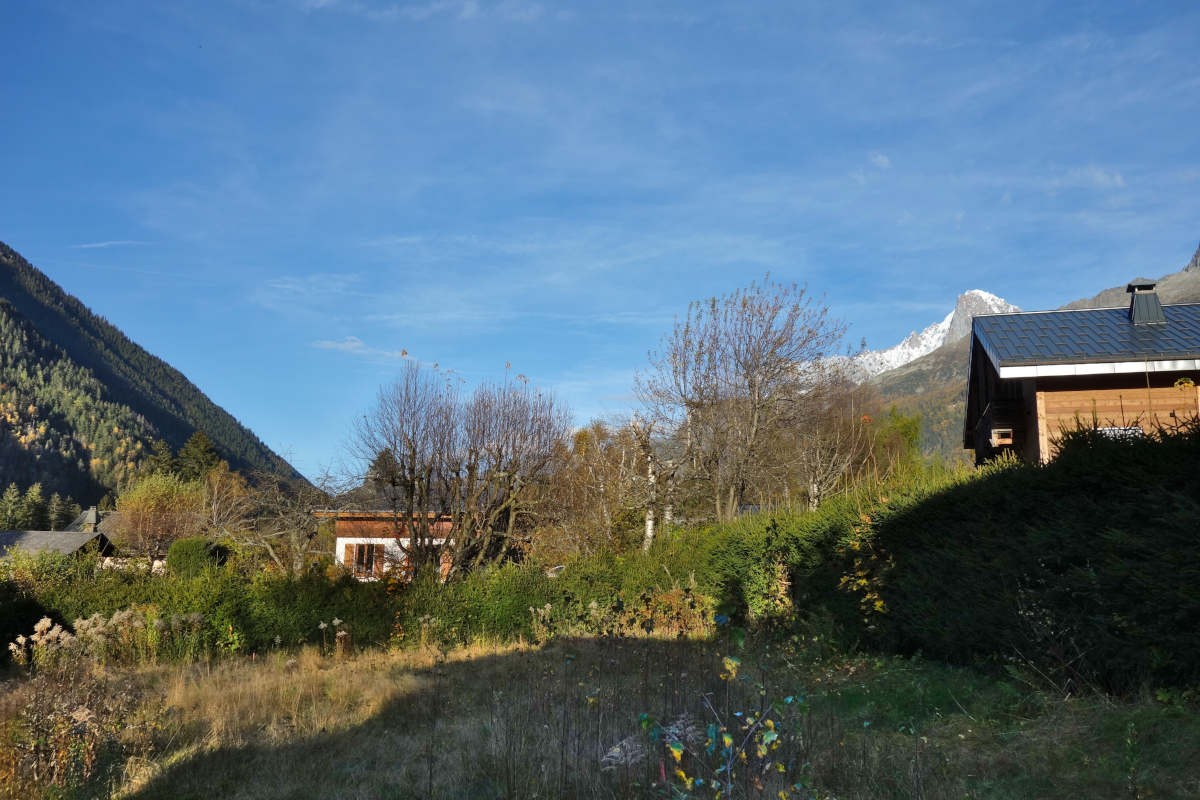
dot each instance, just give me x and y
(279, 197)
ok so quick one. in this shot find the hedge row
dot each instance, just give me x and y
(1085, 569)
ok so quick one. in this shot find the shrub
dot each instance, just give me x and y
(292, 607)
(65, 726)
(1084, 569)
(191, 556)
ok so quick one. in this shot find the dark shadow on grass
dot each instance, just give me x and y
(513, 725)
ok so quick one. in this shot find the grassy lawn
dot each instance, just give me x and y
(601, 718)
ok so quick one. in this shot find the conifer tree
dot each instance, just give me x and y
(10, 508)
(33, 510)
(71, 512)
(56, 509)
(160, 459)
(197, 457)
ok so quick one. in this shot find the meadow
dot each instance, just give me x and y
(608, 718)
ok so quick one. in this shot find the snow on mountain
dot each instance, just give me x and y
(953, 327)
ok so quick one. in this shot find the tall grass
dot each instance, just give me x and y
(632, 718)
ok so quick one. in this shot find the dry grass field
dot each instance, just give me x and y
(601, 718)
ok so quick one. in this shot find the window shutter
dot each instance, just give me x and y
(378, 568)
(348, 556)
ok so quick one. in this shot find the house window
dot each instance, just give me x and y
(365, 559)
(1002, 437)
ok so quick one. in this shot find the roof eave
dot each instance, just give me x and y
(1097, 368)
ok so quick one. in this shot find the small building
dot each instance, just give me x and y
(369, 543)
(1126, 370)
(89, 521)
(64, 542)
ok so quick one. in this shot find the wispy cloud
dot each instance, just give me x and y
(464, 10)
(352, 345)
(881, 160)
(319, 296)
(110, 243)
(1091, 176)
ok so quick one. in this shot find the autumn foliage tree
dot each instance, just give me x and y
(595, 496)
(165, 503)
(156, 510)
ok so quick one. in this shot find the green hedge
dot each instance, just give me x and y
(192, 555)
(239, 613)
(1085, 569)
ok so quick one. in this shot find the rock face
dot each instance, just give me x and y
(1177, 287)
(971, 305)
(955, 326)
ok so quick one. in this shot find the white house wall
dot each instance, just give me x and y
(392, 547)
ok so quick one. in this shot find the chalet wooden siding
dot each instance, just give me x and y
(1063, 407)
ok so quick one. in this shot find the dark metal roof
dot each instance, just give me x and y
(1088, 336)
(45, 541)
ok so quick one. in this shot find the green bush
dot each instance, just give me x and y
(1084, 569)
(292, 608)
(190, 556)
(491, 604)
(495, 602)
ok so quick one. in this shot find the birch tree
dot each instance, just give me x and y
(661, 473)
(595, 496)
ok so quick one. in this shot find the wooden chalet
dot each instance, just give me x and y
(369, 543)
(1124, 370)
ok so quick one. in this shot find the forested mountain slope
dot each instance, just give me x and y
(80, 402)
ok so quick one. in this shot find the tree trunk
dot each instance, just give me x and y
(651, 501)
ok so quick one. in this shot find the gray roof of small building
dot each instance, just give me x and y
(1088, 336)
(44, 541)
(88, 517)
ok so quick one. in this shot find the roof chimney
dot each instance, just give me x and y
(1144, 307)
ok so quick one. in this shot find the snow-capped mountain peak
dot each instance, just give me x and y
(953, 327)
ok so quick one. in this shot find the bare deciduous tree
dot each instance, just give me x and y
(594, 492)
(409, 441)
(835, 438)
(283, 526)
(226, 501)
(731, 377)
(471, 464)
